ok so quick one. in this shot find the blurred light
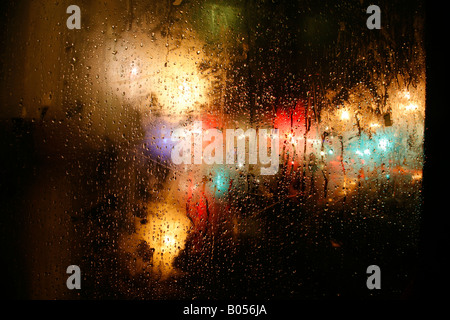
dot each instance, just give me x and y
(374, 125)
(166, 232)
(367, 152)
(417, 176)
(168, 241)
(383, 144)
(345, 115)
(407, 95)
(221, 182)
(185, 92)
(411, 107)
(158, 143)
(184, 87)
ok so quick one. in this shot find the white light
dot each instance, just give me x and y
(134, 71)
(411, 107)
(169, 241)
(407, 95)
(367, 152)
(185, 90)
(345, 115)
(383, 144)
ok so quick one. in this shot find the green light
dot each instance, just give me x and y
(216, 21)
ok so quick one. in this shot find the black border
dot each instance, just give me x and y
(433, 283)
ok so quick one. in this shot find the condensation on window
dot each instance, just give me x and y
(90, 119)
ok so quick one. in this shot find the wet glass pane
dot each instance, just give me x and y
(211, 149)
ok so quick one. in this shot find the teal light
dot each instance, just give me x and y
(375, 149)
(221, 182)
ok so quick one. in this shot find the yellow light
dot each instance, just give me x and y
(185, 89)
(166, 231)
(417, 176)
(407, 95)
(345, 115)
(411, 107)
(148, 76)
(169, 241)
(374, 125)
